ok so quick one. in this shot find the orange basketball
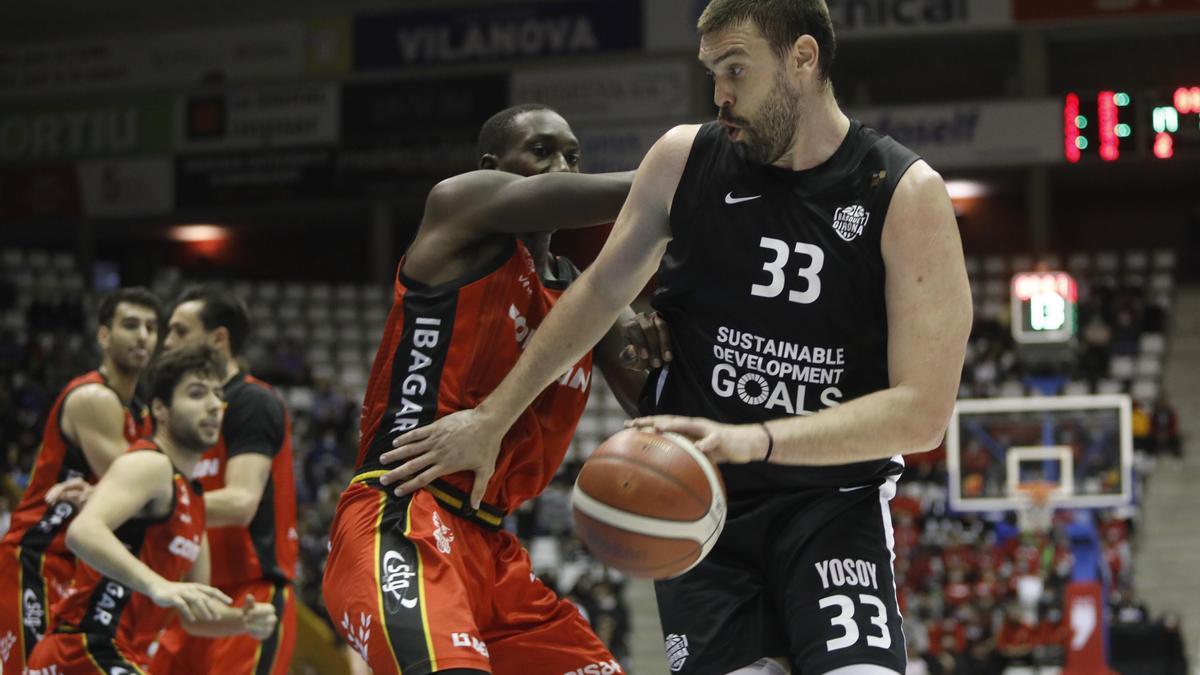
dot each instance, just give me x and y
(649, 504)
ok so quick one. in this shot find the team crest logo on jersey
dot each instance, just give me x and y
(442, 534)
(849, 221)
(677, 651)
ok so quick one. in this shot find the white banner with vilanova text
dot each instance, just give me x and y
(974, 135)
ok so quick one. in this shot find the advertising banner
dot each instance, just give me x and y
(620, 148)
(85, 129)
(968, 135)
(141, 186)
(605, 93)
(47, 190)
(248, 52)
(257, 117)
(494, 33)
(891, 18)
(1072, 10)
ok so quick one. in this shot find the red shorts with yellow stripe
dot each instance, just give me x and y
(83, 653)
(415, 588)
(180, 653)
(30, 583)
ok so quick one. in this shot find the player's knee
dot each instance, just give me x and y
(764, 667)
(862, 669)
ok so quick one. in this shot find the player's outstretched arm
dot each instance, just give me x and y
(139, 484)
(929, 319)
(94, 418)
(489, 201)
(470, 440)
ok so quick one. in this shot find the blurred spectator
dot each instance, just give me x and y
(1164, 430)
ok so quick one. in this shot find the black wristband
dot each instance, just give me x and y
(770, 442)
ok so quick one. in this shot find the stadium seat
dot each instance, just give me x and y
(1107, 262)
(1136, 261)
(1165, 259)
(1152, 343)
(1079, 263)
(995, 265)
(1121, 367)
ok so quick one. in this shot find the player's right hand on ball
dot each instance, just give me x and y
(195, 602)
(467, 440)
(259, 619)
(648, 342)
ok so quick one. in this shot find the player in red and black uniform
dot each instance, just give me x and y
(92, 422)
(140, 538)
(426, 582)
(250, 498)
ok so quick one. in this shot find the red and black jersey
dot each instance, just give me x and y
(168, 545)
(256, 421)
(446, 347)
(36, 525)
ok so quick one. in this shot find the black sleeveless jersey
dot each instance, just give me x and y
(773, 287)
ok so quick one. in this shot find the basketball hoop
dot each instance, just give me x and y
(1036, 513)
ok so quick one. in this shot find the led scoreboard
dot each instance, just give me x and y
(1112, 125)
(1044, 307)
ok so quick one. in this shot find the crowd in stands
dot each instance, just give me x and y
(47, 338)
(983, 596)
(980, 594)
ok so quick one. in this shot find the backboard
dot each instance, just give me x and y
(1082, 446)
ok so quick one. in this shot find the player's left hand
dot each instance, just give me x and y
(258, 618)
(467, 440)
(731, 443)
(73, 490)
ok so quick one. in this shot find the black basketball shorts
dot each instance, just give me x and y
(804, 575)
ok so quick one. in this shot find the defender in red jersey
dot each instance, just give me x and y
(140, 538)
(428, 582)
(93, 421)
(250, 498)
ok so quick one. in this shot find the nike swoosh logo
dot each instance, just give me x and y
(852, 489)
(730, 199)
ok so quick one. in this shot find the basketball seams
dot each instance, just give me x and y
(658, 472)
(715, 485)
(694, 530)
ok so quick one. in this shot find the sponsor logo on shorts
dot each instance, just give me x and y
(35, 614)
(113, 592)
(48, 670)
(6, 645)
(358, 636)
(398, 576)
(52, 521)
(677, 651)
(469, 641)
(443, 534)
(598, 668)
(849, 221)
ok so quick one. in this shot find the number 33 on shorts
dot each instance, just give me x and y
(845, 619)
